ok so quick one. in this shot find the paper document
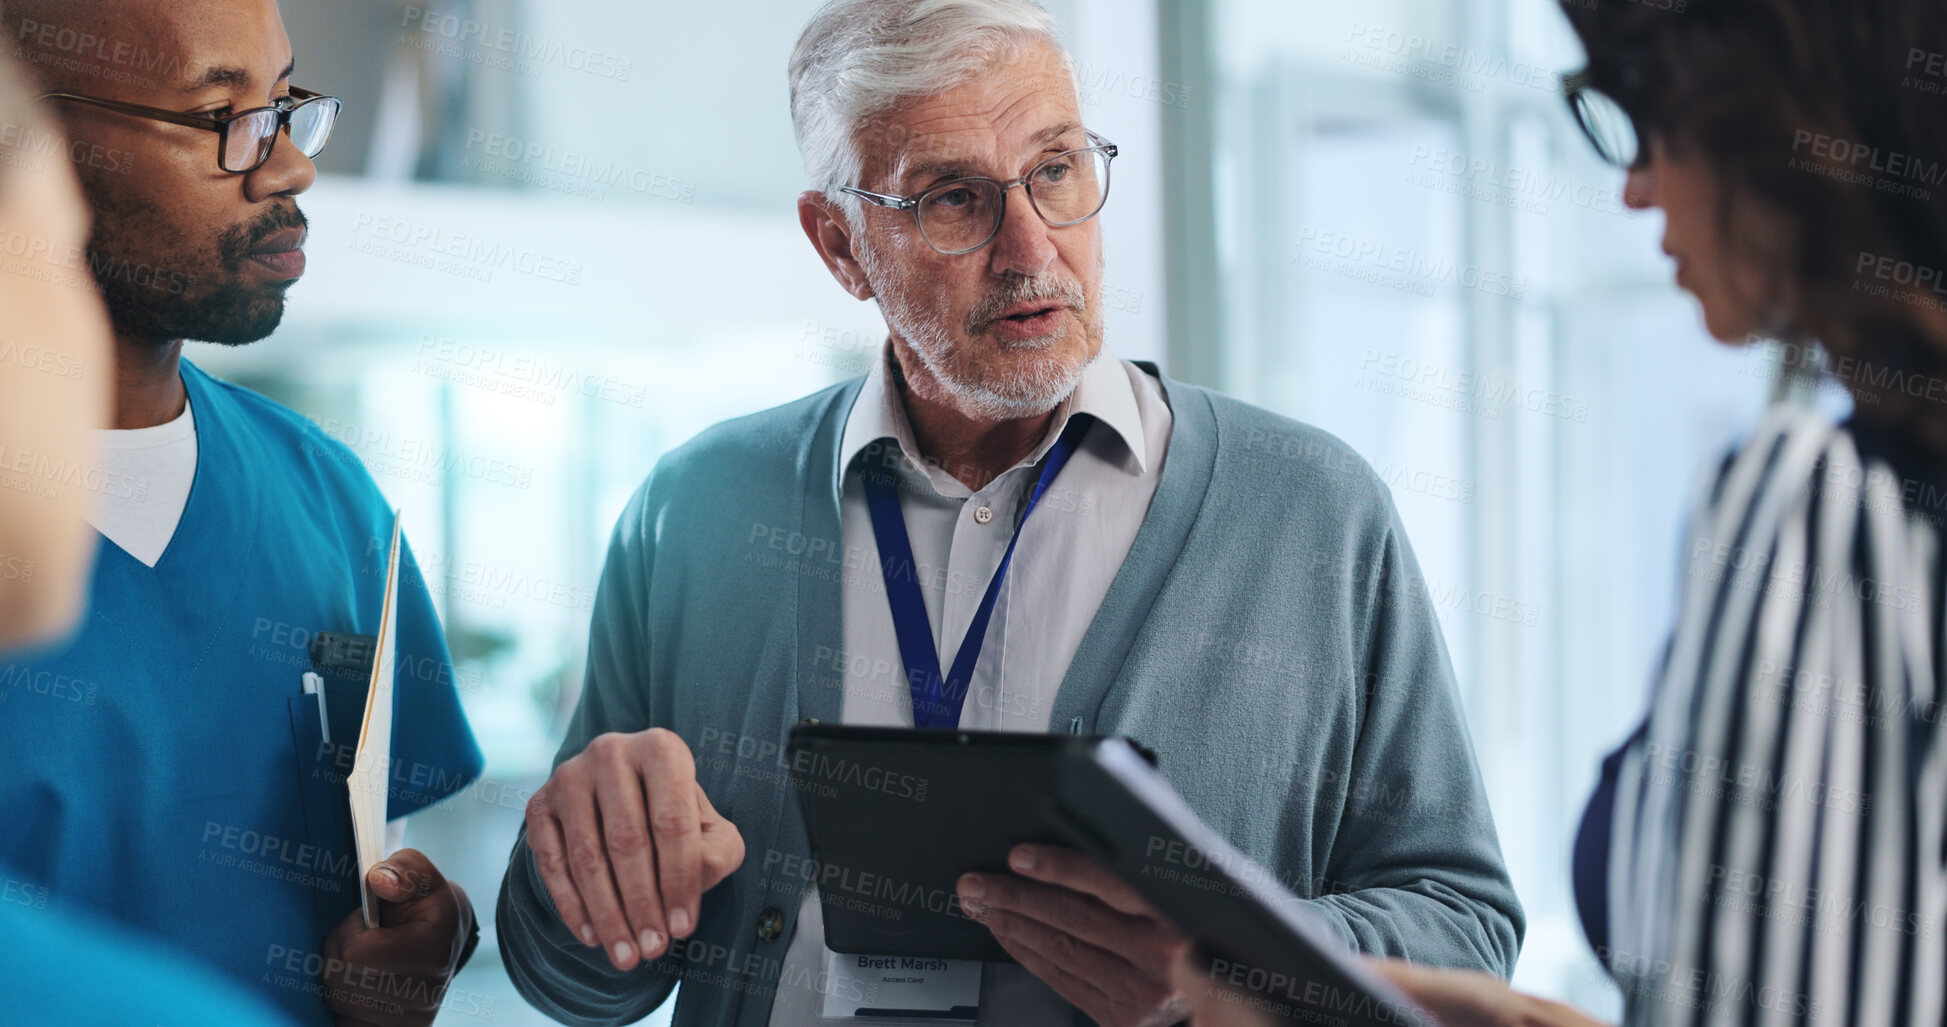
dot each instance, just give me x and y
(372, 765)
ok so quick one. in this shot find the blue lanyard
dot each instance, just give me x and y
(937, 700)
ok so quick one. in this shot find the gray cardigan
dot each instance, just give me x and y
(1269, 635)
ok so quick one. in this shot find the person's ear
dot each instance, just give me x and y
(831, 235)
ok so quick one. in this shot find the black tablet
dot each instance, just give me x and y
(1260, 941)
(896, 815)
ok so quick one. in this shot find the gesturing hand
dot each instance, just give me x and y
(627, 843)
(1081, 929)
(395, 974)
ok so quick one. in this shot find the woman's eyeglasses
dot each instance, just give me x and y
(1616, 134)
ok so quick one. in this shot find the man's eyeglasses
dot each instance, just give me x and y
(1616, 133)
(244, 139)
(962, 215)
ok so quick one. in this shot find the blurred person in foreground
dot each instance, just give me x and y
(55, 366)
(1090, 546)
(165, 768)
(1770, 845)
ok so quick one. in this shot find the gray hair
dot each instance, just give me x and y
(860, 59)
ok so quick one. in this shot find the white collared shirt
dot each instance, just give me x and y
(1069, 553)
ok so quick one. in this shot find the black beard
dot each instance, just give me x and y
(147, 302)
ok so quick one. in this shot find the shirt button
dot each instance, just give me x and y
(983, 515)
(770, 924)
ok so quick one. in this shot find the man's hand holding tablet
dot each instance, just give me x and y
(1079, 927)
(627, 843)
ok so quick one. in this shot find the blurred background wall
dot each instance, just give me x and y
(547, 250)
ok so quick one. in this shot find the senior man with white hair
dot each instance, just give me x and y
(1085, 545)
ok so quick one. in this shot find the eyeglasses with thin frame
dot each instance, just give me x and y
(964, 214)
(1616, 134)
(245, 139)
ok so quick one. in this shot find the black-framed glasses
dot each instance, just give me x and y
(244, 139)
(1616, 134)
(962, 215)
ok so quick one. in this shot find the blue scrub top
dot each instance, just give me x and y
(165, 769)
(82, 972)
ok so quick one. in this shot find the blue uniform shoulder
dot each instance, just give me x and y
(282, 432)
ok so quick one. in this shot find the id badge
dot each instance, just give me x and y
(878, 988)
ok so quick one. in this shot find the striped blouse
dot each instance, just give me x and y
(1776, 825)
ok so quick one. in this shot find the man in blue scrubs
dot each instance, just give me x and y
(167, 768)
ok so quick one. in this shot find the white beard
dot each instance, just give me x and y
(1031, 390)
(1028, 391)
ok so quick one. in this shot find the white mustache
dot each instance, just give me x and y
(1055, 290)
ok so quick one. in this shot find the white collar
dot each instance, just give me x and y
(1104, 393)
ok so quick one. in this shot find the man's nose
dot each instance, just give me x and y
(288, 172)
(1023, 246)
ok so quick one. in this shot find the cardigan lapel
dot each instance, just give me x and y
(818, 600)
(820, 596)
(1187, 471)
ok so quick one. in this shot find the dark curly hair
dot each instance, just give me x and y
(1827, 118)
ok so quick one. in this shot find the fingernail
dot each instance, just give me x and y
(1022, 859)
(652, 941)
(389, 875)
(679, 921)
(623, 952)
(977, 910)
(587, 934)
(972, 887)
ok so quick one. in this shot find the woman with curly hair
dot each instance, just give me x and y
(1770, 845)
